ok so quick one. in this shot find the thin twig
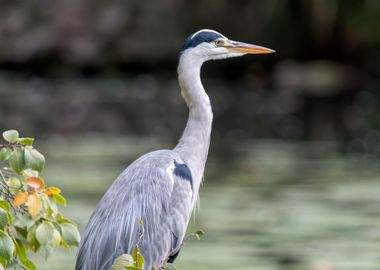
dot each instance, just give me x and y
(10, 197)
(2, 176)
(11, 145)
(4, 181)
(5, 185)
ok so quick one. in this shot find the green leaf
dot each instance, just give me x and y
(70, 234)
(22, 232)
(3, 219)
(31, 173)
(46, 250)
(5, 153)
(64, 244)
(133, 268)
(59, 199)
(14, 182)
(24, 221)
(3, 263)
(7, 246)
(32, 240)
(139, 260)
(16, 160)
(10, 218)
(56, 240)
(45, 233)
(26, 141)
(50, 208)
(61, 219)
(34, 159)
(122, 262)
(5, 205)
(21, 251)
(11, 135)
(198, 234)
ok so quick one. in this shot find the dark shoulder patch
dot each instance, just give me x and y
(174, 256)
(183, 171)
(203, 36)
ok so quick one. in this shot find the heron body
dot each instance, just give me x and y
(150, 203)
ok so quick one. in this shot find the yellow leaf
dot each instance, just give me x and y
(35, 182)
(52, 190)
(20, 198)
(34, 204)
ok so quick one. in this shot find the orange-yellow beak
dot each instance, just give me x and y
(241, 47)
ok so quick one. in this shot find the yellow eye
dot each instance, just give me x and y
(219, 42)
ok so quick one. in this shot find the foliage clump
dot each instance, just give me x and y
(29, 216)
(135, 261)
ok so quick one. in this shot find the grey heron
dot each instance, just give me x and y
(150, 203)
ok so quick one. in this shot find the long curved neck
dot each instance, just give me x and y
(194, 143)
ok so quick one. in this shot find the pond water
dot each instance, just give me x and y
(271, 206)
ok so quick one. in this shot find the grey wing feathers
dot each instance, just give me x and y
(146, 191)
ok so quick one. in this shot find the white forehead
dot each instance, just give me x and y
(206, 30)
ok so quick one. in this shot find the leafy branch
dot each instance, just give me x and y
(136, 260)
(29, 217)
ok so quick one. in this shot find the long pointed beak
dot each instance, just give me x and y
(241, 47)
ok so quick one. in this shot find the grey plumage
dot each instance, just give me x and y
(142, 192)
(150, 203)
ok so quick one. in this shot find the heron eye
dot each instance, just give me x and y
(219, 42)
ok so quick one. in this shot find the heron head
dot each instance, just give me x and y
(211, 45)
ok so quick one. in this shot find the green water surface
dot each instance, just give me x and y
(272, 206)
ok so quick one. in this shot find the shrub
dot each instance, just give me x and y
(29, 217)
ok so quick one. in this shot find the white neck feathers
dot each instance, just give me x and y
(194, 143)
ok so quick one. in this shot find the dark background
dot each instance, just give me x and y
(79, 66)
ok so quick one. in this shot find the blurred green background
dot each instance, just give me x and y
(292, 180)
